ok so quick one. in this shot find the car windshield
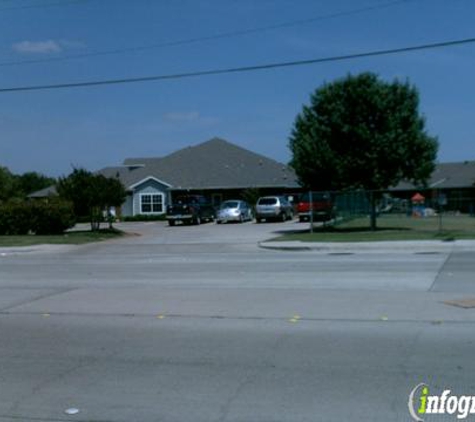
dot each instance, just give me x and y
(267, 201)
(229, 204)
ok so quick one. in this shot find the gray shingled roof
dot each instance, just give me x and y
(209, 165)
(212, 164)
(447, 176)
(128, 175)
(44, 193)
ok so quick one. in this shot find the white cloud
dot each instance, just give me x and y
(190, 116)
(37, 47)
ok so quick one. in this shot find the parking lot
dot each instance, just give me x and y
(227, 234)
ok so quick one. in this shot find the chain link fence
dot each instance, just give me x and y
(424, 209)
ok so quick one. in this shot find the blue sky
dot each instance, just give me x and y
(51, 131)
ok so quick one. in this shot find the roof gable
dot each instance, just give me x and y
(447, 176)
(215, 164)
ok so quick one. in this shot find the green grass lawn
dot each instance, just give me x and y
(390, 227)
(69, 238)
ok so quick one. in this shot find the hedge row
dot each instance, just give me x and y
(38, 217)
(145, 217)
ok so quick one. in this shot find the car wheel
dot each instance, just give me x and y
(171, 223)
(258, 220)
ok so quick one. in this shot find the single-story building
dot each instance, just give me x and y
(217, 169)
(451, 183)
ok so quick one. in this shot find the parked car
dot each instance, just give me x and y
(273, 207)
(190, 209)
(234, 210)
(321, 207)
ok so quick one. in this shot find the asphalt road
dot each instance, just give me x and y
(199, 324)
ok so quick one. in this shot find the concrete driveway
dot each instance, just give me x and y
(159, 233)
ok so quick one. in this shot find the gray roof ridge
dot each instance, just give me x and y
(222, 141)
(139, 161)
(461, 163)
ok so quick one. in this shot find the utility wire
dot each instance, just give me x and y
(250, 68)
(222, 35)
(42, 5)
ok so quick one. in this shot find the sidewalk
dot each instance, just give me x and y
(413, 246)
(33, 249)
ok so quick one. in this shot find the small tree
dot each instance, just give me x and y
(91, 194)
(362, 133)
(111, 193)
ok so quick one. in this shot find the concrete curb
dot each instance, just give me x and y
(412, 247)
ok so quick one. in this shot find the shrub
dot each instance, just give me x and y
(15, 217)
(52, 217)
(145, 217)
(46, 217)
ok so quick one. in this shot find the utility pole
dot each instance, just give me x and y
(310, 198)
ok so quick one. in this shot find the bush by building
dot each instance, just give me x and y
(145, 217)
(52, 217)
(18, 217)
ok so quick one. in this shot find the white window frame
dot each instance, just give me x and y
(151, 203)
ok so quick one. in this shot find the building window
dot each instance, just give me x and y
(151, 203)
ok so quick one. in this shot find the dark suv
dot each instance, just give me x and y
(273, 207)
(190, 209)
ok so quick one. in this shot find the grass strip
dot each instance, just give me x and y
(388, 228)
(69, 238)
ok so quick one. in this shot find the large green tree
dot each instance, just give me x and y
(91, 194)
(361, 132)
(21, 185)
(8, 184)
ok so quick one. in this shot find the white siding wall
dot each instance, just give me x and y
(127, 208)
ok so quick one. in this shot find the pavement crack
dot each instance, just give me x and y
(226, 407)
(34, 390)
(440, 271)
(57, 292)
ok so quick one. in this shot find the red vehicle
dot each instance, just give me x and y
(321, 207)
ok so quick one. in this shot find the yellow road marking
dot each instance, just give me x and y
(295, 319)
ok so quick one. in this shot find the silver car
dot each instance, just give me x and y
(273, 207)
(234, 210)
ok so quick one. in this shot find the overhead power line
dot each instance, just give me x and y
(42, 5)
(250, 68)
(221, 35)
